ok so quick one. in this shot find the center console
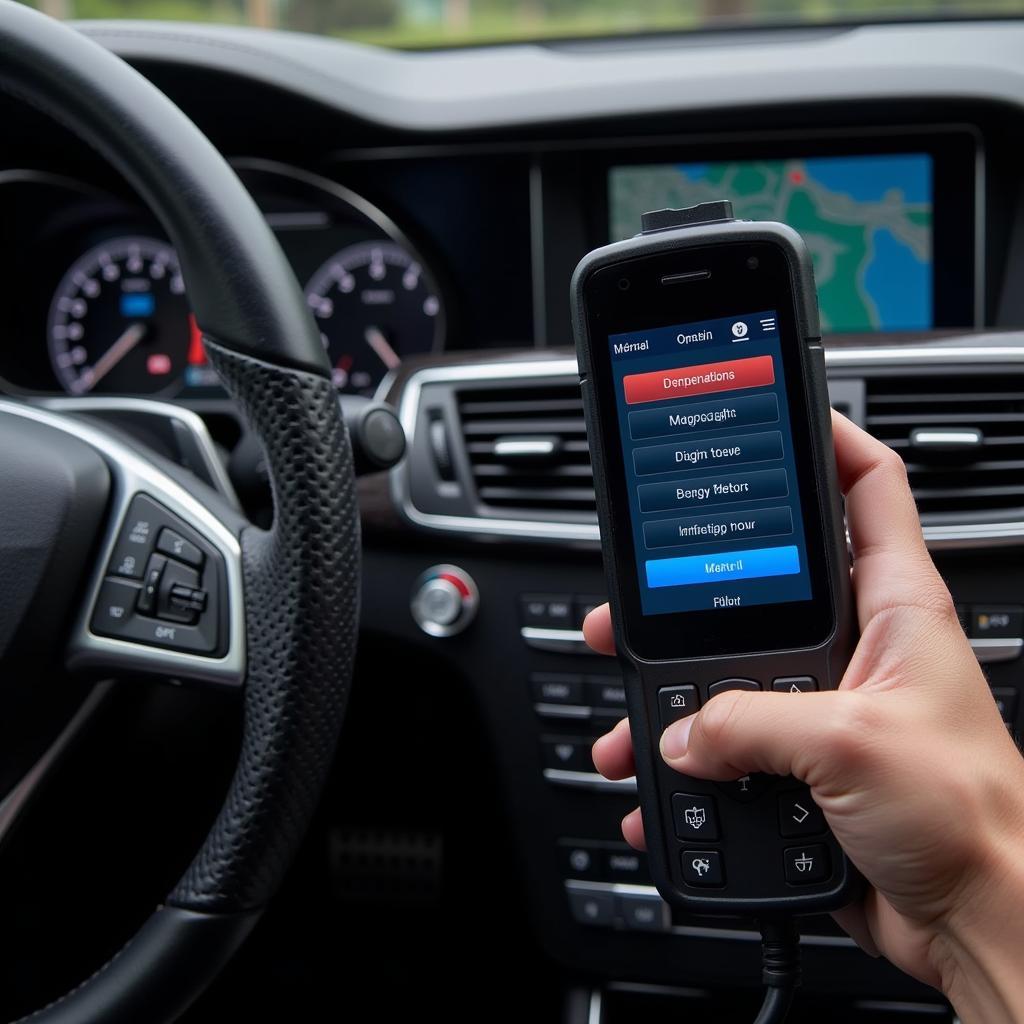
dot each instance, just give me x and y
(496, 487)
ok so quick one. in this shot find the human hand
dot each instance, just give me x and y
(908, 759)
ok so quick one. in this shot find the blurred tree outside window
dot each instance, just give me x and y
(430, 23)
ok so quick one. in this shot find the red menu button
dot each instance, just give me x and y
(685, 381)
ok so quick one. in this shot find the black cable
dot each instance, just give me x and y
(780, 968)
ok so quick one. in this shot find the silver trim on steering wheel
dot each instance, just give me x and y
(132, 474)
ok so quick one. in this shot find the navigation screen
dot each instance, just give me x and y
(867, 221)
(710, 470)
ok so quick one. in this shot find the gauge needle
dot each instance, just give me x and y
(131, 337)
(376, 340)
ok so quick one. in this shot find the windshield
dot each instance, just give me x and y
(432, 23)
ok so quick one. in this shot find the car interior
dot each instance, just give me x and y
(456, 851)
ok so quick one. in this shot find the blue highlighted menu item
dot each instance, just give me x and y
(730, 565)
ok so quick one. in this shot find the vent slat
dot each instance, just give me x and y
(500, 471)
(987, 477)
(478, 428)
(561, 482)
(538, 495)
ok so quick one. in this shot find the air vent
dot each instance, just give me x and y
(527, 450)
(961, 436)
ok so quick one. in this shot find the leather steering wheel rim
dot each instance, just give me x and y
(300, 579)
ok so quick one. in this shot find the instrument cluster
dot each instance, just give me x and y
(98, 303)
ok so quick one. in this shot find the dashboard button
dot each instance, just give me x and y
(579, 860)
(677, 702)
(695, 817)
(569, 753)
(548, 611)
(805, 865)
(996, 621)
(702, 867)
(643, 913)
(625, 866)
(585, 605)
(557, 687)
(592, 906)
(606, 692)
(724, 685)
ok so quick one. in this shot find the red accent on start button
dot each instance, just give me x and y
(706, 379)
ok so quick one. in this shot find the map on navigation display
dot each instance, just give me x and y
(867, 221)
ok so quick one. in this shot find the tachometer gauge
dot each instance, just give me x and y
(120, 321)
(375, 304)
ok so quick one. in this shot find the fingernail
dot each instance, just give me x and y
(676, 738)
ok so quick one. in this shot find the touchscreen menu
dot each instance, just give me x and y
(710, 471)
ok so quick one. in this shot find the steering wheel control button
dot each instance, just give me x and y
(805, 865)
(557, 688)
(695, 817)
(444, 600)
(702, 867)
(746, 789)
(592, 906)
(177, 605)
(179, 594)
(642, 913)
(151, 587)
(172, 543)
(799, 815)
(114, 607)
(677, 702)
(725, 685)
(795, 684)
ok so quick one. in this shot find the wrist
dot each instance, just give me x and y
(976, 950)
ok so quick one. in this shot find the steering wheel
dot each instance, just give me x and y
(173, 583)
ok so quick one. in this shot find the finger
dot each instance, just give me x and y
(633, 830)
(892, 566)
(613, 753)
(853, 920)
(813, 736)
(597, 630)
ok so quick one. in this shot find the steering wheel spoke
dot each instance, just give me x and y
(164, 595)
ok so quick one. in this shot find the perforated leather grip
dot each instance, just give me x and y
(301, 597)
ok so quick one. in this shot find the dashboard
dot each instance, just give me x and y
(433, 207)
(894, 215)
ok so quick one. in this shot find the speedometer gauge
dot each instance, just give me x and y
(119, 321)
(375, 304)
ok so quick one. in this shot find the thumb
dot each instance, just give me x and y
(809, 735)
